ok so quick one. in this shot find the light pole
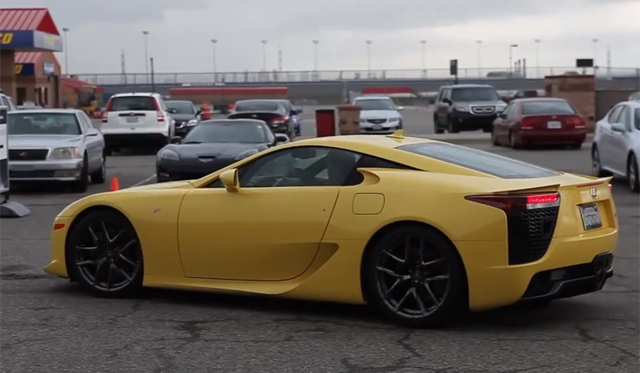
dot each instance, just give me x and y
(595, 51)
(369, 56)
(146, 52)
(66, 50)
(424, 55)
(479, 42)
(537, 41)
(215, 63)
(264, 54)
(315, 54)
(511, 56)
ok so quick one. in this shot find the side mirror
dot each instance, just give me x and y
(92, 133)
(198, 112)
(176, 140)
(230, 180)
(293, 112)
(172, 111)
(618, 127)
(446, 101)
(400, 108)
(281, 138)
(502, 116)
(299, 111)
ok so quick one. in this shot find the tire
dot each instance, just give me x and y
(100, 176)
(452, 127)
(494, 138)
(596, 165)
(89, 250)
(81, 185)
(632, 174)
(512, 141)
(438, 297)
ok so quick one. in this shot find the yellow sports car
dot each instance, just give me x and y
(414, 227)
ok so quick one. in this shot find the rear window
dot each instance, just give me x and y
(133, 103)
(547, 107)
(479, 160)
(257, 106)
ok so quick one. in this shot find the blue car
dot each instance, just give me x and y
(296, 118)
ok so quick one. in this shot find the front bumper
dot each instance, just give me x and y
(189, 169)
(381, 129)
(48, 170)
(467, 121)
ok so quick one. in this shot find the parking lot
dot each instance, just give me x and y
(48, 325)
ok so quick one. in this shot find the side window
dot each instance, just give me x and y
(4, 102)
(439, 96)
(88, 124)
(625, 118)
(302, 166)
(446, 93)
(614, 115)
(508, 110)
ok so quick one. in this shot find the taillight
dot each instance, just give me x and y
(529, 123)
(158, 111)
(518, 202)
(610, 187)
(576, 122)
(105, 113)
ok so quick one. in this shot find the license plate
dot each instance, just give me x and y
(377, 126)
(554, 125)
(590, 216)
(132, 119)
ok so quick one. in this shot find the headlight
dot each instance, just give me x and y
(192, 123)
(64, 153)
(500, 107)
(461, 108)
(169, 154)
(393, 120)
(246, 153)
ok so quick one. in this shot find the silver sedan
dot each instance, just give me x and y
(55, 145)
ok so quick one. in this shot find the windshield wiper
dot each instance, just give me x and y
(192, 142)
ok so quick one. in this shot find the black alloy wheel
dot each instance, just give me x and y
(632, 174)
(413, 276)
(105, 256)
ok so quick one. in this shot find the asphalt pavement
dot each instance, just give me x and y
(48, 325)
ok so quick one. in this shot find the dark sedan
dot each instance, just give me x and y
(185, 114)
(212, 145)
(272, 112)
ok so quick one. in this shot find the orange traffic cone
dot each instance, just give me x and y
(115, 184)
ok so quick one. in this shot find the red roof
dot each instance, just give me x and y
(27, 57)
(27, 19)
(76, 84)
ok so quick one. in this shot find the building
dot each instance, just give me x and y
(37, 78)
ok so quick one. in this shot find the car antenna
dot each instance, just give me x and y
(399, 134)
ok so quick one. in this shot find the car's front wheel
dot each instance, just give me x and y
(104, 254)
(413, 276)
(596, 164)
(632, 174)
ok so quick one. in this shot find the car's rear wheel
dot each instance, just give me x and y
(494, 138)
(632, 174)
(513, 143)
(104, 254)
(413, 276)
(596, 165)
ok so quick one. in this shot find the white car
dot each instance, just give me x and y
(616, 144)
(136, 119)
(379, 115)
(7, 101)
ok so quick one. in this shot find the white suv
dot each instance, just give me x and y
(136, 119)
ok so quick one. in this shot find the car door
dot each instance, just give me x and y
(620, 141)
(94, 143)
(442, 108)
(501, 124)
(270, 230)
(606, 143)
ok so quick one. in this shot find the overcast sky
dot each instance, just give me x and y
(181, 30)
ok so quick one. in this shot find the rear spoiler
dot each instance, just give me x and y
(595, 181)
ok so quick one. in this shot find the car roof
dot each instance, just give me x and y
(538, 99)
(453, 86)
(185, 101)
(46, 111)
(225, 120)
(635, 104)
(372, 98)
(129, 94)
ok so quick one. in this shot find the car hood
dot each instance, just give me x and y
(43, 141)
(183, 117)
(379, 114)
(218, 150)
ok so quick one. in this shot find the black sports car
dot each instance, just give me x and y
(212, 145)
(185, 114)
(271, 112)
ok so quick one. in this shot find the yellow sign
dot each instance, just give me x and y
(6, 37)
(18, 69)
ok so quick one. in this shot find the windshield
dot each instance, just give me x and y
(43, 124)
(236, 132)
(257, 106)
(375, 104)
(478, 160)
(133, 103)
(474, 94)
(181, 107)
(547, 107)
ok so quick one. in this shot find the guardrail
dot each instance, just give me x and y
(275, 77)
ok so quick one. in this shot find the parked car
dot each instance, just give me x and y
(296, 118)
(58, 145)
(212, 145)
(8, 102)
(635, 96)
(535, 121)
(272, 112)
(136, 119)
(378, 115)
(616, 144)
(185, 114)
(466, 107)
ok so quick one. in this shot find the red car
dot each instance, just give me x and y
(537, 121)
